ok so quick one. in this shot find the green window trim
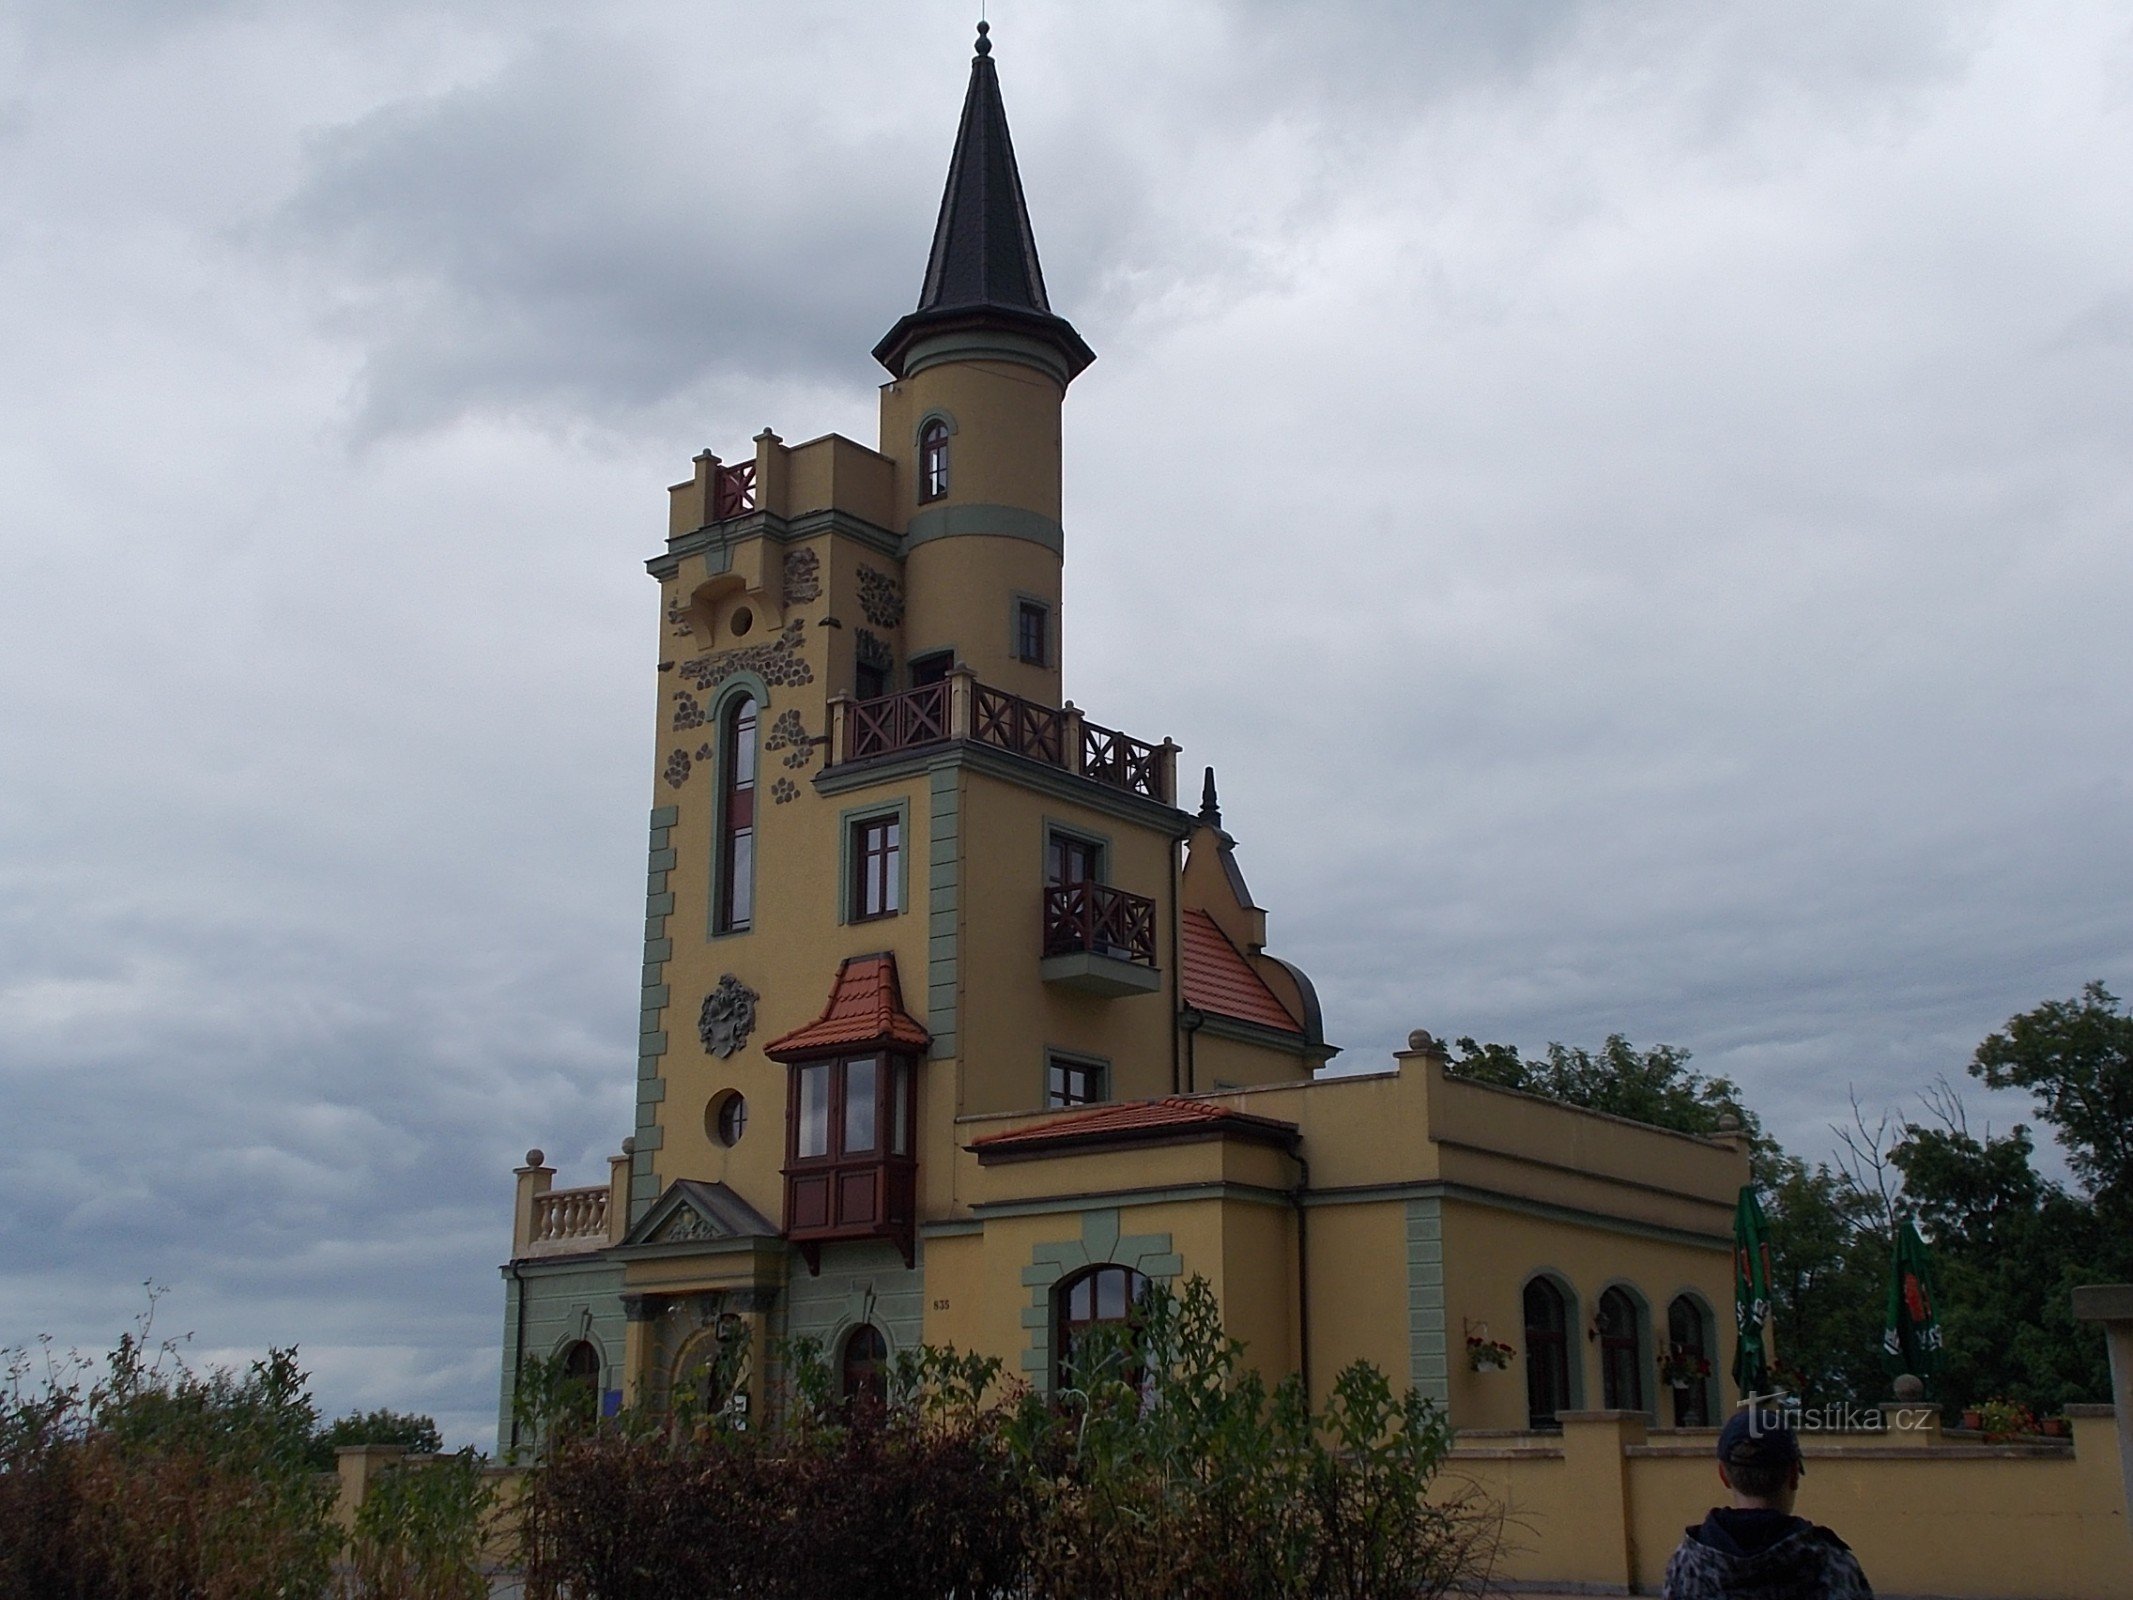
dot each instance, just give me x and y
(847, 863)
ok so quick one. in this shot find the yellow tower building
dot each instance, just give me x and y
(959, 1029)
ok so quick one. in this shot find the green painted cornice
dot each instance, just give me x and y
(716, 539)
(904, 765)
(985, 521)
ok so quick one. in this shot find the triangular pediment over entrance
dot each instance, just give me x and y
(697, 1213)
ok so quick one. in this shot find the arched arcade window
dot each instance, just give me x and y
(1107, 1296)
(736, 818)
(933, 460)
(1547, 1353)
(1689, 1365)
(1621, 1327)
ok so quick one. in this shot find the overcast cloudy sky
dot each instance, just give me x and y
(1633, 498)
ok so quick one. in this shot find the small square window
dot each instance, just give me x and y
(1069, 1082)
(1030, 633)
(876, 888)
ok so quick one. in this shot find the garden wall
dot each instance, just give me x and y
(1601, 1506)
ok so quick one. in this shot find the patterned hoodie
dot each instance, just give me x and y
(1763, 1555)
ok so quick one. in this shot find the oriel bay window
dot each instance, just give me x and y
(849, 1173)
(850, 1162)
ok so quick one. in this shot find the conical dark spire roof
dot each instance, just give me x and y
(983, 269)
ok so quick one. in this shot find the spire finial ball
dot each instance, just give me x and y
(984, 44)
(535, 1157)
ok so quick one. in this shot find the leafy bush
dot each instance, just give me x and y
(1172, 1470)
(151, 1480)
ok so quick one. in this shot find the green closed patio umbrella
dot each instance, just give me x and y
(1910, 1328)
(1751, 1295)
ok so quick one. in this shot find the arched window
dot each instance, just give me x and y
(933, 460)
(1621, 1352)
(736, 844)
(1547, 1353)
(866, 1359)
(1100, 1297)
(581, 1364)
(1688, 1366)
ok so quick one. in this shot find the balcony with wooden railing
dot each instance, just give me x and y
(567, 1222)
(961, 708)
(1099, 940)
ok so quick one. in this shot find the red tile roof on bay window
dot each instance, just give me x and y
(1219, 979)
(1135, 1121)
(865, 1012)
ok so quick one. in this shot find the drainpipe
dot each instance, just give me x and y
(1303, 1274)
(518, 1348)
(1177, 958)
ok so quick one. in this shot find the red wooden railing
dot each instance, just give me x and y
(1119, 760)
(1100, 919)
(959, 707)
(897, 722)
(734, 493)
(1010, 722)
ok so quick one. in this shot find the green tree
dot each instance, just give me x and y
(2076, 1057)
(1654, 1085)
(416, 1434)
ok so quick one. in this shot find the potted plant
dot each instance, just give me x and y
(1680, 1366)
(1484, 1354)
(2054, 1428)
(2001, 1419)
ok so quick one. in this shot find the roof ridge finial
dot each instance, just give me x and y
(1210, 810)
(984, 44)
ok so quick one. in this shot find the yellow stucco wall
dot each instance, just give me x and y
(1602, 1506)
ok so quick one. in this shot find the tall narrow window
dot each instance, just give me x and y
(736, 850)
(870, 680)
(1688, 1363)
(1547, 1354)
(876, 849)
(866, 1359)
(1621, 1352)
(933, 460)
(1030, 631)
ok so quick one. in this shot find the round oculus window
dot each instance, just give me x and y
(741, 621)
(726, 1118)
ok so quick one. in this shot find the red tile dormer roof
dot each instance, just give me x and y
(1171, 1120)
(865, 1012)
(1220, 980)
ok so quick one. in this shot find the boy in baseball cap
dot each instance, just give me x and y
(1756, 1549)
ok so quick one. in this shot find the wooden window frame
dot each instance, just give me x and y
(874, 871)
(844, 1191)
(1548, 1355)
(1621, 1349)
(933, 460)
(1032, 641)
(739, 735)
(1692, 1403)
(1066, 1326)
(1059, 1070)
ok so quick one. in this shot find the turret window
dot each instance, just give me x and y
(735, 888)
(933, 460)
(1032, 633)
